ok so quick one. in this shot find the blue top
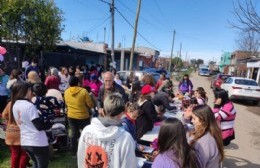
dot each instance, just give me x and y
(3, 81)
(129, 127)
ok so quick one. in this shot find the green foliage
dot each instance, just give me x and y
(62, 159)
(177, 63)
(36, 22)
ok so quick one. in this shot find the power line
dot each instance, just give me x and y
(98, 25)
(132, 12)
(137, 31)
(160, 11)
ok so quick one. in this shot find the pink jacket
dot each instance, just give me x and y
(95, 86)
(226, 116)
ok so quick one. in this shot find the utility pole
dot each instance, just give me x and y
(112, 10)
(180, 50)
(135, 32)
(173, 39)
(104, 34)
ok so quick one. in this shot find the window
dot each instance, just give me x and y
(245, 82)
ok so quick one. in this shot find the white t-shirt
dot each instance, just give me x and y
(24, 112)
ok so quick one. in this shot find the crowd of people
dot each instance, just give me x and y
(107, 118)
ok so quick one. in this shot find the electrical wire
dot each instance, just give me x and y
(137, 31)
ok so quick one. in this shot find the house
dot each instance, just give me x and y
(144, 57)
(72, 53)
(253, 69)
(224, 62)
(236, 67)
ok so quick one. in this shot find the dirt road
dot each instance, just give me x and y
(244, 151)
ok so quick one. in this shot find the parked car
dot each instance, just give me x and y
(124, 74)
(160, 71)
(242, 88)
(204, 71)
(217, 80)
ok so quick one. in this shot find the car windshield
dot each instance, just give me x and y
(224, 77)
(204, 69)
(245, 82)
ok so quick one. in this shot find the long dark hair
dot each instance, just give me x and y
(19, 91)
(172, 137)
(223, 95)
(208, 124)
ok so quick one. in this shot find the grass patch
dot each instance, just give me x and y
(62, 159)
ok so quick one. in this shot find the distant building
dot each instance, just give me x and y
(225, 61)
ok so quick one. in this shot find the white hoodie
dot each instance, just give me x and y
(106, 147)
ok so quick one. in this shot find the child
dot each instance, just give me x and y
(200, 94)
(45, 105)
(131, 115)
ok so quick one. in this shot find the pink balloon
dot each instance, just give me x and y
(2, 50)
(1, 58)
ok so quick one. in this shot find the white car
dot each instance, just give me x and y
(242, 88)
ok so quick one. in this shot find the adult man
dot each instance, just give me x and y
(109, 87)
(32, 67)
(103, 143)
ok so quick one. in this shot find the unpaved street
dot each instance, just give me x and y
(244, 151)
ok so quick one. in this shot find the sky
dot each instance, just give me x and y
(202, 26)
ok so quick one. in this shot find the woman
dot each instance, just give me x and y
(174, 150)
(15, 76)
(33, 77)
(53, 80)
(78, 103)
(225, 114)
(33, 137)
(185, 85)
(117, 79)
(147, 116)
(206, 138)
(19, 157)
(148, 80)
(64, 79)
(4, 92)
(94, 84)
(160, 81)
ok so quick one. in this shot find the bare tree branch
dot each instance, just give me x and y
(247, 18)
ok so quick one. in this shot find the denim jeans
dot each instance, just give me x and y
(76, 125)
(39, 155)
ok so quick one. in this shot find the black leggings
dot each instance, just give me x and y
(39, 155)
(3, 103)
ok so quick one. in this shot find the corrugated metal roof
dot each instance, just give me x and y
(88, 46)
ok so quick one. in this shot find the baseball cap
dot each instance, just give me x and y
(146, 89)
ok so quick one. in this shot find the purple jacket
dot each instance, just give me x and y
(166, 160)
(185, 86)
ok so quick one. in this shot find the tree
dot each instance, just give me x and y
(249, 41)
(248, 23)
(177, 63)
(200, 61)
(36, 22)
(247, 16)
